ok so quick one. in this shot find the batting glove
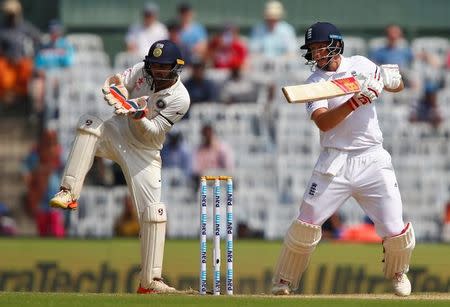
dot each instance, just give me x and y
(136, 108)
(391, 76)
(371, 88)
(114, 92)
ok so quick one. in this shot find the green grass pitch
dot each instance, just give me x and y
(339, 274)
(131, 300)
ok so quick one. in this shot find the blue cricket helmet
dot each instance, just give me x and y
(164, 52)
(323, 32)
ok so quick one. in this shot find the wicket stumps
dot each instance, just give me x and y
(216, 229)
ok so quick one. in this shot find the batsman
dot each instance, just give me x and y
(147, 99)
(352, 163)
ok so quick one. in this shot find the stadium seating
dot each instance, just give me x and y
(124, 60)
(437, 45)
(97, 204)
(378, 42)
(86, 42)
(355, 46)
(275, 145)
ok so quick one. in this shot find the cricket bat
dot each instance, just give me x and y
(321, 90)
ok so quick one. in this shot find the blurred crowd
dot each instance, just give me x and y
(27, 56)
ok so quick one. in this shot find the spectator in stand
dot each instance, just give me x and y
(212, 155)
(237, 88)
(429, 67)
(274, 37)
(427, 108)
(332, 228)
(445, 235)
(200, 88)
(448, 61)
(41, 172)
(8, 226)
(127, 225)
(175, 36)
(18, 42)
(227, 50)
(193, 34)
(57, 53)
(176, 153)
(54, 55)
(395, 51)
(141, 36)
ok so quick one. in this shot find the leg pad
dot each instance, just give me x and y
(90, 128)
(299, 243)
(153, 236)
(397, 252)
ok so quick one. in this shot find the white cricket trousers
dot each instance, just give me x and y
(369, 178)
(140, 164)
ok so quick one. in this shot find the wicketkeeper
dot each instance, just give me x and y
(147, 99)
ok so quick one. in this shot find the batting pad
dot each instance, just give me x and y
(299, 243)
(153, 235)
(397, 252)
(90, 128)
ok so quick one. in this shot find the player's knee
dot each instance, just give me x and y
(91, 124)
(154, 213)
(303, 237)
(390, 229)
(309, 214)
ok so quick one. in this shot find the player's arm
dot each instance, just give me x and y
(155, 126)
(326, 119)
(164, 120)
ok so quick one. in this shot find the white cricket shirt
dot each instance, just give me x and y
(165, 107)
(360, 129)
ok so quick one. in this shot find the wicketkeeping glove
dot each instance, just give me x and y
(371, 88)
(391, 76)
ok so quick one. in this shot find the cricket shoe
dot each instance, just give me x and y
(401, 284)
(64, 200)
(156, 286)
(281, 288)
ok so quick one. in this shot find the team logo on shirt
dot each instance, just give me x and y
(160, 104)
